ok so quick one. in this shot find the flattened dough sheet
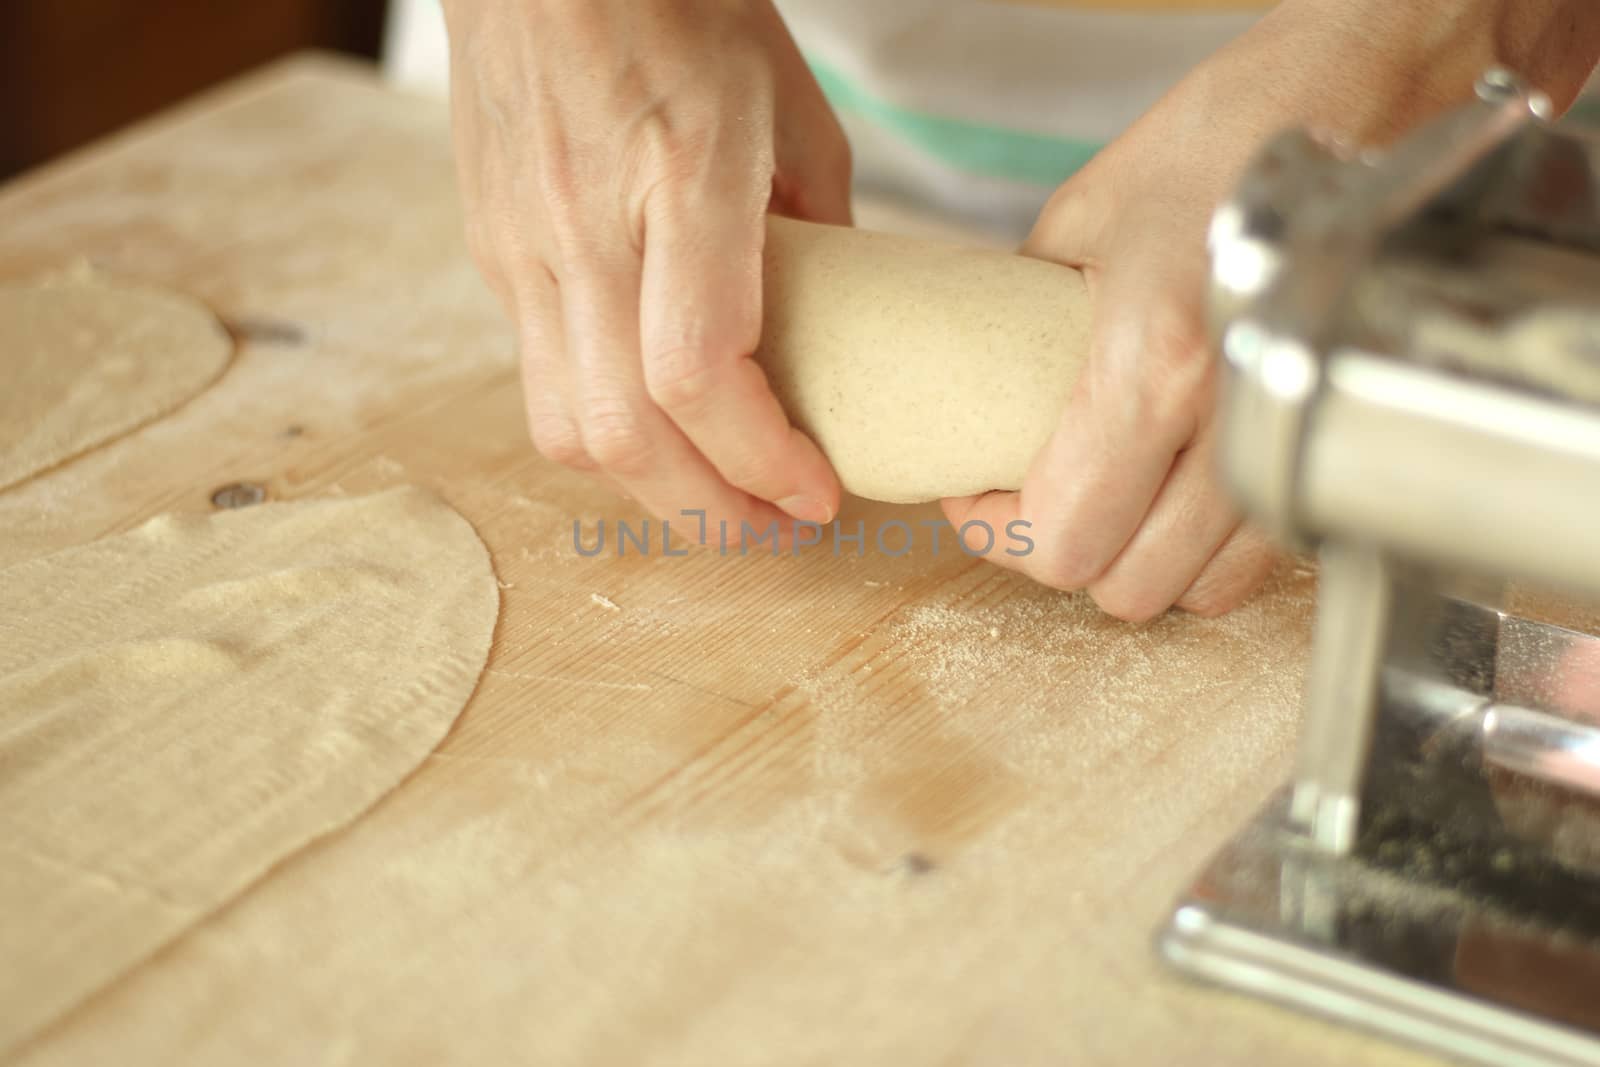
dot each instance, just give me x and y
(184, 705)
(89, 359)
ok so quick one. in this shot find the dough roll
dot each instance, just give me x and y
(921, 369)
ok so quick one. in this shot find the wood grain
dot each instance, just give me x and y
(699, 810)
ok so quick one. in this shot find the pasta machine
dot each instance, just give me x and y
(1410, 353)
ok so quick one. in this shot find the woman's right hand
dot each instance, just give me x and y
(617, 159)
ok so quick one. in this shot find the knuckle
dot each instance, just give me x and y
(754, 470)
(1068, 571)
(1129, 601)
(677, 155)
(570, 223)
(556, 170)
(1172, 330)
(1210, 603)
(681, 378)
(539, 338)
(1178, 347)
(667, 157)
(558, 440)
(572, 234)
(614, 436)
(1177, 396)
(1217, 592)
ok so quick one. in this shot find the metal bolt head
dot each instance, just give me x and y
(1497, 85)
(238, 495)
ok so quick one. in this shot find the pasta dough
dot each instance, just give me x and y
(922, 370)
(184, 705)
(87, 360)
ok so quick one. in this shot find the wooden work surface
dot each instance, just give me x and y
(701, 810)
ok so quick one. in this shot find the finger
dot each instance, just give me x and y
(1189, 520)
(1087, 491)
(811, 153)
(1245, 560)
(1140, 399)
(813, 173)
(992, 525)
(1137, 404)
(630, 439)
(700, 321)
(546, 382)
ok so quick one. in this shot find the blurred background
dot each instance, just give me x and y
(73, 70)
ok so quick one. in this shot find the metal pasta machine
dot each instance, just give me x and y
(1410, 344)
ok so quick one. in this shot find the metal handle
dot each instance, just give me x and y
(1544, 747)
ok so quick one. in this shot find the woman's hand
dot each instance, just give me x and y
(617, 159)
(1125, 499)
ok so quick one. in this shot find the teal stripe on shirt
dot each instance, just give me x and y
(991, 151)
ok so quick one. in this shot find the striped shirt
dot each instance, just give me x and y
(978, 109)
(975, 109)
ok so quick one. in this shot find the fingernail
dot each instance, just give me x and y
(806, 509)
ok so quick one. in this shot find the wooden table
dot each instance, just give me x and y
(703, 810)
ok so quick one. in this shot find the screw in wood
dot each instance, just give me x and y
(238, 495)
